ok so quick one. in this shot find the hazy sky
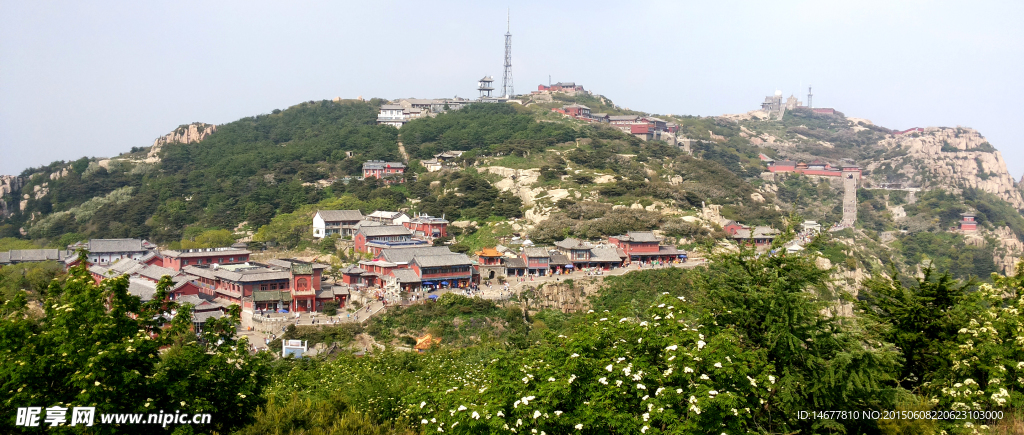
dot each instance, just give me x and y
(97, 78)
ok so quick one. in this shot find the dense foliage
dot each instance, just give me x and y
(97, 345)
(494, 128)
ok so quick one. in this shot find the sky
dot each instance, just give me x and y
(98, 78)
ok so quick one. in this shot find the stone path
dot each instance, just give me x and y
(849, 200)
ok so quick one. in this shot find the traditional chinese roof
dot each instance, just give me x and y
(405, 255)
(604, 255)
(116, 245)
(536, 252)
(25, 255)
(573, 243)
(405, 275)
(142, 288)
(559, 259)
(443, 260)
(639, 236)
(488, 252)
(340, 215)
(385, 230)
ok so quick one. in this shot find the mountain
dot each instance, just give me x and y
(564, 176)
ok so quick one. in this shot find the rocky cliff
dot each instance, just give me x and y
(948, 158)
(9, 185)
(190, 133)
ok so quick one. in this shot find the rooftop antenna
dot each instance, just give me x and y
(809, 96)
(506, 80)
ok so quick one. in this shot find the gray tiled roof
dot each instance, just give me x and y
(205, 253)
(325, 294)
(201, 317)
(5, 257)
(558, 258)
(115, 245)
(623, 117)
(380, 164)
(640, 236)
(515, 263)
(443, 260)
(385, 230)
(405, 255)
(24, 255)
(405, 275)
(572, 243)
(340, 215)
(604, 255)
(156, 272)
(142, 288)
(536, 252)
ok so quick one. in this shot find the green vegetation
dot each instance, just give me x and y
(88, 351)
(492, 128)
(672, 351)
(29, 279)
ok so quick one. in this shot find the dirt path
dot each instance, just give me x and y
(401, 149)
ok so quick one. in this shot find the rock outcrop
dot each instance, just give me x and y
(9, 185)
(951, 159)
(190, 133)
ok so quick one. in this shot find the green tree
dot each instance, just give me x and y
(99, 346)
(917, 318)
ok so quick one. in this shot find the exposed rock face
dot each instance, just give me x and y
(9, 185)
(952, 159)
(191, 133)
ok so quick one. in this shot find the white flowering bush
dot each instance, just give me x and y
(987, 358)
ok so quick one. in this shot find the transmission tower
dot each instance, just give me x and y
(506, 79)
(810, 104)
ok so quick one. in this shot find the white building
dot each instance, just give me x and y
(340, 222)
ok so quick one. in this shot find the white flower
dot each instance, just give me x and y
(424, 421)
(574, 355)
(422, 404)
(687, 370)
(536, 414)
(701, 344)
(572, 378)
(672, 347)
(604, 318)
(643, 429)
(462, 407)
(644, 323)
(659, 390)
(647, 416)
(558, 412)
(753, 383)
(579, 427)
(695, 409)
(661, 306)
(609, 367)
(718, 365)
(704, 377)
(712, 393)
(623, 319)
(771, 379)
(440, 430)
(476, 416)
(679, 391)
(603, 381)
(618, 383)
(641, 386)
(681, 298)
(501, 414)
(551, 379)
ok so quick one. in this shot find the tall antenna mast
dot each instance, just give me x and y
(506, 80)
(810, 105)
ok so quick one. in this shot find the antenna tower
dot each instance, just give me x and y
(810, 105)
(506, 79)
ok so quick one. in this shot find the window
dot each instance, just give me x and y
(264, 287)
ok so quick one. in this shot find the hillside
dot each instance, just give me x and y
(530, 170)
